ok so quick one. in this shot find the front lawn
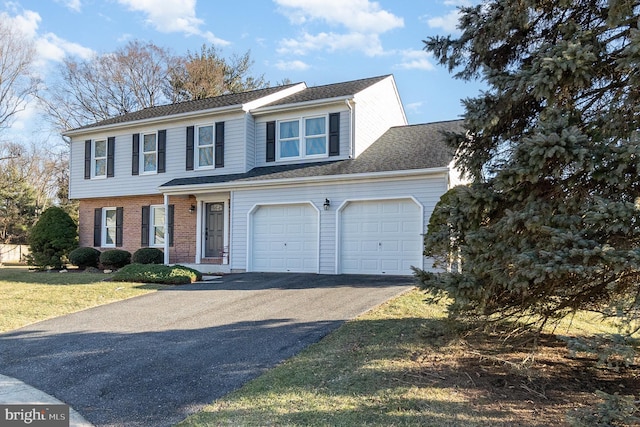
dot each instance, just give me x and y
(405, 364)
(28, 296)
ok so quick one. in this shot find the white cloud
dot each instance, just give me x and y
(415, 60)
(369, 44)
(363, 21)
(355, 15)
(173, 16)
(448, 22)
(50, 47)
(413, 107)
(292, 65)
(74, 5)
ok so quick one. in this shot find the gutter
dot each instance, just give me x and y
(319, 179)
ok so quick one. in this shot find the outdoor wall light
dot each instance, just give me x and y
(326, 205)
(192, 209)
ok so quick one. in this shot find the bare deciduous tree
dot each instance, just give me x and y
(205, 74)
(129, 79)
(17, 82)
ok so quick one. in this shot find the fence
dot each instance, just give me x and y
(12, 253)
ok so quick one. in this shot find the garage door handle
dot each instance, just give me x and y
(379, 243)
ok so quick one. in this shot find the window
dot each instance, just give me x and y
(100, 158)
(205, 147)
(157, 226)
(313, 143)
(109, 225)
(149, 153)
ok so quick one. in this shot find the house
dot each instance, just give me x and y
(327, 179)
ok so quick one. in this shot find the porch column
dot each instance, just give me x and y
(166, 229)
(199, 216)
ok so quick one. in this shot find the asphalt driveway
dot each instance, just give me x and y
(155, 359)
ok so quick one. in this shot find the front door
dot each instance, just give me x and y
(214, 230)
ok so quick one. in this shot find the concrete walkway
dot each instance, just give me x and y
(13, 391)
(155, 359)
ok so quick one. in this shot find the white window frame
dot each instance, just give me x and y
(153, 226)
(105, 228)
(143, 153)
(95, 159)
(302, 138)
(197, 147)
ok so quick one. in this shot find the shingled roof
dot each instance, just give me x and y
(409, 147)
(308, 94)
(335, 90)
(189, 106)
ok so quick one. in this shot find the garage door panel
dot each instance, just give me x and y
(380, 237)
(284, 238)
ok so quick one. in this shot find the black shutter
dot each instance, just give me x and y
(190, 141)
(162, 150)
(144, 236)
(170, 224)
(334, 134)
(135, 155)
(97, 227)
(87, 159)
(119, 223)
(219, 144)
(271, 141)
(111, 148)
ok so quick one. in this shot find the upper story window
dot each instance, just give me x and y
(149, 156)
(205, 148)
(99, 158)
(304, 137)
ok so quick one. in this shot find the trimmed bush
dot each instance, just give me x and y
(148, 256)
(84, 257)
(115, 258)
(157, 273)
(51, 239)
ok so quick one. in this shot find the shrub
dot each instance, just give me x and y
(156, 273)
(51, 239)
(148, 256)
(115, 258)
(84, 257)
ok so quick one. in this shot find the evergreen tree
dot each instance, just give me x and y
(52, 239)
(551, 222)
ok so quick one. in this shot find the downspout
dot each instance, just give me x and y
(353, 131)
(166, 229)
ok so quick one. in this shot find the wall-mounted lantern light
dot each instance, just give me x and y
(192, 209)
(326, 205)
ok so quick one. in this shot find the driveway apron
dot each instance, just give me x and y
(155, 359)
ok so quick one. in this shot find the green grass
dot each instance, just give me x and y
(405, 364)
(27, 296)
(359, 375)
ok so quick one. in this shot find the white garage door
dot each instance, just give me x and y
(285, 238)
(380, 237)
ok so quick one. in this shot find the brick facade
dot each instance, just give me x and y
(184, 228)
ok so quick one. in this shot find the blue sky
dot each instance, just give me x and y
(315, 41)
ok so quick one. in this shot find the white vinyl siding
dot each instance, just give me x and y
(426, 190)
(125, 184)
(377, 108)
